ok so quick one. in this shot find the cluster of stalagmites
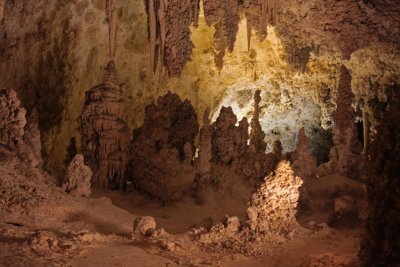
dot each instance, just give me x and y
(105, 136)
(161, 155)
(380, 245)
(161, 152)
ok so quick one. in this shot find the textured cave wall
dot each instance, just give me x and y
(51, 53)
(380, 245)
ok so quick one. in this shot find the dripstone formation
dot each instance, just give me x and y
(77, 179)
(105, 136)
(12, 119)
(380, 245)
(345, 153)
(273, 207)
(161, 152)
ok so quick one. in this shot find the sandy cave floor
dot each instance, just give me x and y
(40, 225)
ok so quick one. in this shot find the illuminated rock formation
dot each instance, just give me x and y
(12, 120)
(257, 135)
(259, 14)
(105, 136)
(380, 245)
(161, 152)
(77, 178)
(345, 154)
(274, 206)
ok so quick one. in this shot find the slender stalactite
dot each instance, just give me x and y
(153, 35)
(2, 4)
(111, 10)
(163, 31)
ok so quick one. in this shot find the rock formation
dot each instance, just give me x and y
(224, 15)
(203, 163)
(161, 153)
(12, 120)
(345, 153)
(169, 33)
(257, 135)
(259, 14)
(303, 161)
(380, 245)
(32, 138)
(229, 141)
(105, 136)
(77, 178)
(273, 207)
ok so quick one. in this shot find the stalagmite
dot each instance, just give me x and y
(12, 120)
(105, 136)
(257, 135)
(303, 161)
(273, 207)
(365, 131)
(346, 150)
(204, 165)
(160, 155)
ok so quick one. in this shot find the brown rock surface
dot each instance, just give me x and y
(345, 153)
(105, 136)
(12, 119)
(77, 179)
(303, 161)
(161, 153)
(229, 141)
(273, 207)
(380, 245)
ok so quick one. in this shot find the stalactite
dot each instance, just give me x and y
(2, 5)
(111, 12)
(153, 35)
(163, 31)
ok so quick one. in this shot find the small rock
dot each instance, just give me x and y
(144, 225)
(168, 246)
(344, 204)
(233, 224)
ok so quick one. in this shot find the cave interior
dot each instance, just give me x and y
(200, 133)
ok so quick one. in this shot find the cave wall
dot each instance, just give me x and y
(53, 52)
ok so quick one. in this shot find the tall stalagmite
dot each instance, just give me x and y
(380, 245)
(105, 136)
(257, 135)
(345, 153)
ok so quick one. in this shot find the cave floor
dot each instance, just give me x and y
(42, 226)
